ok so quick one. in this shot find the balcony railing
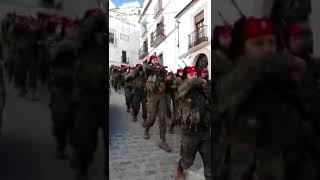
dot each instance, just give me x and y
(157, 36)
(143, 52)
(198, 36)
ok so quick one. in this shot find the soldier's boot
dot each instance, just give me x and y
(179, 173)
(144, 122)
(146, 134)
(135, 119)
(163, 145)
(171, 129)
(128, 109)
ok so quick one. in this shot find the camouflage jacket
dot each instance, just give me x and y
(194, 106)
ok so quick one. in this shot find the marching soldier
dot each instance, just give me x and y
(89, 96)
(157, 105)
(139, 94)
(262, 130)
(177, 114)
(61, 88)
(195, 124)
(128, 88)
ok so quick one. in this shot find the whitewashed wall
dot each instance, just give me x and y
(187, 26)
(131, 47)
(168, 47)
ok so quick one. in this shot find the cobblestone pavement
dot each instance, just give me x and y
(133, 158)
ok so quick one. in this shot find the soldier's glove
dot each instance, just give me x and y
(195, 82)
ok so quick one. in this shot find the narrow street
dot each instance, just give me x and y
(27, 147)
(133, 158)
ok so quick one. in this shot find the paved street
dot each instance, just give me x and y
(133, 158)
(27, 146)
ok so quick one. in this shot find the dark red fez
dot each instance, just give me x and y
(203, 70)
(153, 56)
(256, 27)
(190, 69)
(293, 29)
(224, 31)
(179, 71)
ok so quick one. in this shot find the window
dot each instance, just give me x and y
(199, 20)
(124, 57)
(124, 37)
(111, 38)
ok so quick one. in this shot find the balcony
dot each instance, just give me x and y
(198, 36)
(143, 52)
(157, 36)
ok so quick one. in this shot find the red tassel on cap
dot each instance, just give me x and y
(203, 70)
(293, 30)
(256, 27)
(153, 56)
(191, 69)
(224, 31)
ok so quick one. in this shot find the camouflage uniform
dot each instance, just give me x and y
(89, 96)
(195, 109)
(157, 102)
(128, 90)
(176, 110)
(139, 94)
(61, 88)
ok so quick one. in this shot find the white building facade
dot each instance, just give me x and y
(124, 34)
(165, 29)
(159, 32)
(194, 31)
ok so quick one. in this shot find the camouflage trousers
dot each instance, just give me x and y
(190, 145)
(61, 113)
(157, 106)
(139, 97)
(85, 134)
(128, 96)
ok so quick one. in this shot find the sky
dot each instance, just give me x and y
(119, 2)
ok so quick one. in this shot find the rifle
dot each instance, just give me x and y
(222, 18)
(235, 4)
(184, 64)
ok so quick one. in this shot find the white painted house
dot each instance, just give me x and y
(159, 32)
(124, 34)
(194, 30)
(166, 26)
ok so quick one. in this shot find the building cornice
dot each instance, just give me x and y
(144, 11)
(187, 7)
